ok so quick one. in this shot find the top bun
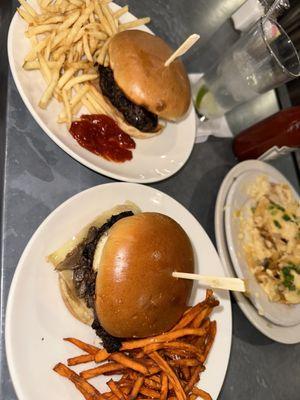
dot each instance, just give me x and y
(136, 295)
(137, 59)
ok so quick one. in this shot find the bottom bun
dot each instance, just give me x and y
(114, 113)
(76, 306)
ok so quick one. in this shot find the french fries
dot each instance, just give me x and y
(69, 38)
(164, 367)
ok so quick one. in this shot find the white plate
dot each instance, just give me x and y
(287, 335)
(153, 160)
(238, 199)
(37, 319)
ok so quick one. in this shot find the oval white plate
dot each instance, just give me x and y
(238, 199)
(37, 319)
(153, 160)
(287, 335)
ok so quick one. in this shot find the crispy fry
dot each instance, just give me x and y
(67, 106)
(26, 16)
(89, 391)
(201, 317)
(211, 337)
(83, 346)
(50, 90)
(136, 387)
(186, 373)
(28, 8)
(116, 391)
(150, 383)
(129, 363)
(186, 362)
(171, 375)
(166, 337)
(86, 48)
(201, 393)
(149, 392)
(101, 355)
(194, 379)
(80, 79)
(134, 24)
(120, 12)
(102, 369)
(84, 358)
(164, 386)
(66, 77)
(175, 345)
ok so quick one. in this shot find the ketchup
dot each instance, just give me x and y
(281, 129)
(101, 135)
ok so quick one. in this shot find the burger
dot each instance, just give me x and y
(116, 274)
(139, 88)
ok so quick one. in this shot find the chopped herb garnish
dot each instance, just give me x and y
(286, 217)
(277, 224)
(293, 266)
(288, 278)
(278, 206)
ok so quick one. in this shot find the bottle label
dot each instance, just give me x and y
(275, 152)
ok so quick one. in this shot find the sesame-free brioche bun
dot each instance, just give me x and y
(137, 59)
(136, 295)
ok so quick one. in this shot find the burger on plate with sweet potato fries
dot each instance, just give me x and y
(116, 275)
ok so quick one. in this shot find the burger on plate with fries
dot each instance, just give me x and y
(94, 63)
(116, 274)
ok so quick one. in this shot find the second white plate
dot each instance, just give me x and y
(238, 200)
(281, 334)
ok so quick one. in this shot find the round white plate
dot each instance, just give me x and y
(37, 319)
(238, 199)
(153, 160)
(287, 335)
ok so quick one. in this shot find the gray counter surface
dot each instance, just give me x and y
(38, 176)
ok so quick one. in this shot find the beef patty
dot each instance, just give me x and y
(80, 260)
(135, 115)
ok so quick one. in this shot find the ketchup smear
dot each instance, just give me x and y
(101, 135)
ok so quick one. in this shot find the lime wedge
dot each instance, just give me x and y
(201, 93)
(208, 106)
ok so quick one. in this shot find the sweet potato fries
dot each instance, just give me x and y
(166, 366)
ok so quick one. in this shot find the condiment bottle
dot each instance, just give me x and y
(270, 138)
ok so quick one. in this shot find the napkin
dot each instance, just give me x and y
(216, 127)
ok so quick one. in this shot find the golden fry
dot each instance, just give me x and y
(120, 12)
(134, 24)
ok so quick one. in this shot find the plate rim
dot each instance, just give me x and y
(260, 323)
(64, 147)
(8, 313)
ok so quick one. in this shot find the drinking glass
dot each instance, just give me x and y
(262, 59)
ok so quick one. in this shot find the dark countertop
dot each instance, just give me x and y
(38, 176)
